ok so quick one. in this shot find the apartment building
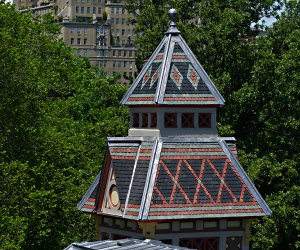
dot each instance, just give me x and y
(98, 29)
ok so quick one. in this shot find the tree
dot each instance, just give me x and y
(55, 115)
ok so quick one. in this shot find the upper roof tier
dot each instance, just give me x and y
(173, 76)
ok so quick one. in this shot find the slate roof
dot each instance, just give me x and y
(173, 76)
(174, 178)
(124, 244)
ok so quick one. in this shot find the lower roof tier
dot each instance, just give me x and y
(149, 178)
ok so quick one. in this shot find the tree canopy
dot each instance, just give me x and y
(55, 114)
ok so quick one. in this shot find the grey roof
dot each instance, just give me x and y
(173, 76)
(209, 181)
(124, 244)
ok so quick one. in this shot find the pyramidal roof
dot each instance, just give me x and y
(173, 76)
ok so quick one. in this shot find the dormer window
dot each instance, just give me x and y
(204, 120)
(170, 120)
(187, 120)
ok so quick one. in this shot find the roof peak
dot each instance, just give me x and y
(172, 29)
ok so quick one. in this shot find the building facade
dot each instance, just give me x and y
(99, 30)
(173, 179)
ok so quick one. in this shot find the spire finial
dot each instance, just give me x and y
(172, 13)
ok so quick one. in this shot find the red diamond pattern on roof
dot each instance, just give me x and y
(155, 76)
(146, 77)
(224, 189)
(193, 76)
(176, 76)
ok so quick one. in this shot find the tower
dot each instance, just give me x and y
(173, 178)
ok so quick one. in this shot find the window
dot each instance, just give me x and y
(204, 120)
(82, 10)
(117, 32)
(119, 64)
(123, 32)
(125, 63)
(94, 10)
(78, 30)
(112, 10)
(85, 52)
(114, 53)
(123, 42)
(112, 20)
(135, 120)
(114, 64)
(72, 30)
(88, 10)
(117, 20)
(123, 21)
(72, 40)
(120, 53)
(144, 120)
(77, 9)
(84, 41)
(99, 10)
(187, 120)
(117, 10)
(153, 117)
(170, 120)
(130, 53)
(85, 30)
(78, 40)
(205, 243)
(125, 53)
(128, 32)
(234, 243)
(123, 11)
(112, 32)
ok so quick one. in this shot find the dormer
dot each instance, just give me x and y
(173, 95)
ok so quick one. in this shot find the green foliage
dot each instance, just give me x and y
(55, 114)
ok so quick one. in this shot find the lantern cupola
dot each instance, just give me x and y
(173, 95)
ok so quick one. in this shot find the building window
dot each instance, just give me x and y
(144, 120)
(153, 118)
(123, 32)
(204, 243)
(123, 21)
(77, 9)
(117, 10)
(78, 40)
(117, 20)
(119, 64)
(88, 10)
(187, 120)
(72, 30)
(85, 30)
(82, 10)
(99, 10)
(72, 40)
(84, 41)
(130, 53)
(234, 243)
(112, 10)
(114, 64)
(85, 52)
(204, 120)
(114, 53)
(117, 32)
(170, 120)
(112, 20)
(94, 10)
(120, 53)
(135, 120)
(125, 63)
(123, 11)
(125, 53)
(78, 30)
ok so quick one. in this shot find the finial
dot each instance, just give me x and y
(172, 13)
